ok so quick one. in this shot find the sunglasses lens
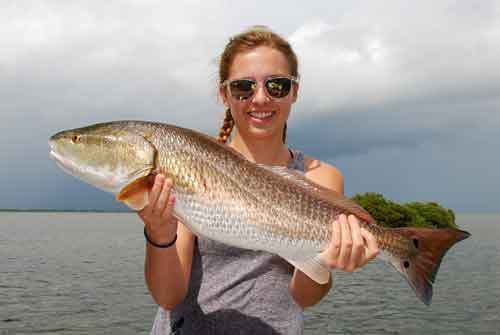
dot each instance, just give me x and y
(242, 89)
(278, 87)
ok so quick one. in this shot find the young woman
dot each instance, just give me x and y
(205, 287)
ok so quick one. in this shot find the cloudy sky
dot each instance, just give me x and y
(403, 97)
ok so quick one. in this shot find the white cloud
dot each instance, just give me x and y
(372, 56)
(352, 57)
(309, 31)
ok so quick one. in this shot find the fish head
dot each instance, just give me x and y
(109, 156)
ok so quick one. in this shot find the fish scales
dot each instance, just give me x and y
(241, 194)
(240, 191)
(223, 196)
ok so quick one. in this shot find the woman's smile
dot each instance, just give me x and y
(261, 117)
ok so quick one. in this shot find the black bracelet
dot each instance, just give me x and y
(163, 246)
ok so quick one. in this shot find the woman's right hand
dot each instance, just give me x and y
(161, 225)
(166, 270)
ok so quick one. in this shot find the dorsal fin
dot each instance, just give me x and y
(323, 193)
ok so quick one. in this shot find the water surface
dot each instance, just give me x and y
(82, 273)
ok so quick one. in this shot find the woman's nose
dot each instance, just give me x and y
(260, 95)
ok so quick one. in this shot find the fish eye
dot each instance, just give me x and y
(75, 138)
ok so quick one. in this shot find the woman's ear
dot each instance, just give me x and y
(295, 92)
(223, 96)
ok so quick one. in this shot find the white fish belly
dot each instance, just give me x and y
(230, 223)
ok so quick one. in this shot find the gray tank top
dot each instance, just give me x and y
(235, 291)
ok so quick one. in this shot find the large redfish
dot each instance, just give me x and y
(222, 196)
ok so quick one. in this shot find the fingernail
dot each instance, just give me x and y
(171, 199)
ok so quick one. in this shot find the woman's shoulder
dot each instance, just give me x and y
(325, 174)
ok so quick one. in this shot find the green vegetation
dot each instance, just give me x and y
(412, 214)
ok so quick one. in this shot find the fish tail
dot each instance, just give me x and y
(428, 247)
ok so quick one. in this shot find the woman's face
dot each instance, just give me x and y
(259, 116)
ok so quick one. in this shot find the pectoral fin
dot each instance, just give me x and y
(136, 194)
(313, 269)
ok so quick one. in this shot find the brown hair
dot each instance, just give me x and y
(250, 39)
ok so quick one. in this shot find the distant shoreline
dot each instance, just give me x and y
(63, 211)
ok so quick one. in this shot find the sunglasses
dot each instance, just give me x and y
(276, 87)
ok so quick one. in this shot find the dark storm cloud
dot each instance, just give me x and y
(403, 125)
(387, 80)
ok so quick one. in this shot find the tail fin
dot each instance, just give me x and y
(430, 245)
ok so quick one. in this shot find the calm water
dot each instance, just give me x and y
(81, 273)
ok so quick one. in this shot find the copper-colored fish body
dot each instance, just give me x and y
(222, 196)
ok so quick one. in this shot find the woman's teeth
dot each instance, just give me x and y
(261, 115)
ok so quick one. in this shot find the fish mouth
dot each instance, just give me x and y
(52, 144)
(53, 155)
(63, 163)
(53, 152)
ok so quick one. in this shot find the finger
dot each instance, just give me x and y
(372, 249)
(155, 188)
(329, 256)
(155, 191)
(169, 208)
(142, 214)
(358, 245)
(163, 198)
(346, 244)
(336, 240)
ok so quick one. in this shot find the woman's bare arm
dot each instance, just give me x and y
(167, 270)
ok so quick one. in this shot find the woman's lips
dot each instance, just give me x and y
(261, 117)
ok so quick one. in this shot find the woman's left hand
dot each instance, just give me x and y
(351, 246)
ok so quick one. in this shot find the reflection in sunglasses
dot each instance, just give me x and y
(275, 87)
